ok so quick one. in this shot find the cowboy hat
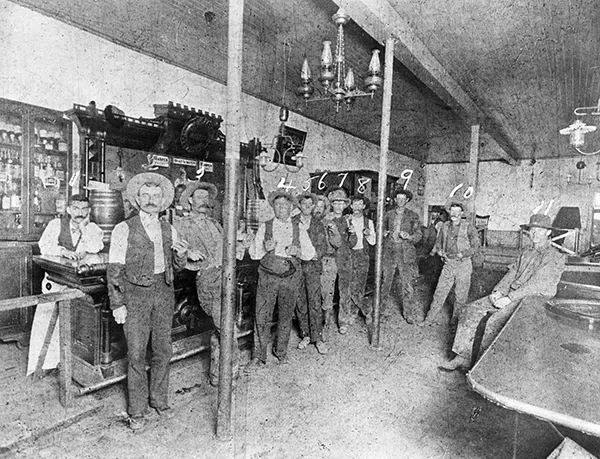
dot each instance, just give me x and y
(280, 192)
(152, 178)
(192, 187)
(338, 194)
(538, 221)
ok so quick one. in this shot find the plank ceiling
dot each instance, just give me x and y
(517, 67)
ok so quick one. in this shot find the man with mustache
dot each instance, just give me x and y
(144, 252)
(205, 256)
(456, 242)
(535, 274)
(70, 238)
(280, 244)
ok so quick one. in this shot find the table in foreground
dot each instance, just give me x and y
(544, 367)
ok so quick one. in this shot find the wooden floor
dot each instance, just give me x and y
(355, 402)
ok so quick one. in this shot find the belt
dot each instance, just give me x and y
(455, 256)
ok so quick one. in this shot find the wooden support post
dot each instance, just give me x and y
(381, 189)
(65, 369)
(473, 178)
(230, 222)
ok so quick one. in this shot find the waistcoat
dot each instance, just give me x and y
(139, 260)
(64, 237)
(462, 241)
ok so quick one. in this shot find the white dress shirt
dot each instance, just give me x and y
(88, 241)
(283, 235)
(120, 234)
(358, 222)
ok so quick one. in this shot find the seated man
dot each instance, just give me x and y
(536, 273)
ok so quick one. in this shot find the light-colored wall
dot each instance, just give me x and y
(510, 193)
(48, 63)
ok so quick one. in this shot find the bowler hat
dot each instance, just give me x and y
(150, 178)
(197, 185)
(406, 193)
(280, 192)
(538, 221)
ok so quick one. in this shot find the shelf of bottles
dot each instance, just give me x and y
(11, 171)
(49, 159)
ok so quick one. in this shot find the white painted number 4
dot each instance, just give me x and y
(285, 186)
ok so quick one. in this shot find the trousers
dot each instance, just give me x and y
(209, 290)
(308, 307)
(355, 301)
(407, 274)
(328, 277)
(469, 321)
(272, 290)
(455, 273)
(149, 318)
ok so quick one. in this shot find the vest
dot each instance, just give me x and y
(139, 259)
(462, 241)
(295, 231)
(64, 237)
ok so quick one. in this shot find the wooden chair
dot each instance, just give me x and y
(481, 224)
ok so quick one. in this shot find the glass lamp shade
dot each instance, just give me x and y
(326, 55)
(349, 82)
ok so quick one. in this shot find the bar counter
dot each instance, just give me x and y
(98, 343)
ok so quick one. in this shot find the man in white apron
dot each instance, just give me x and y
(70, 238)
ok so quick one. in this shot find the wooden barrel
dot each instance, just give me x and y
(106, 211)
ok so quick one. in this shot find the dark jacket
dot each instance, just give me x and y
(316, 234)
(411, 225)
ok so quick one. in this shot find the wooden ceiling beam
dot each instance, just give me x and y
(380, 20)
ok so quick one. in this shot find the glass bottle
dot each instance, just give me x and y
(61, 204)
(6, 197)
(15, 197)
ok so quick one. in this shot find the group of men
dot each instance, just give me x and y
(301, 257)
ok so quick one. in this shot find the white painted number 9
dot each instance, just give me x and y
(406, 175)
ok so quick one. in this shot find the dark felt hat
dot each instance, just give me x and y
(307, 195)
(152, 178)
(407, 193)
(362, 198)
(538, 221)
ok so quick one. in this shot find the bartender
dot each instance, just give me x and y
(69, 238)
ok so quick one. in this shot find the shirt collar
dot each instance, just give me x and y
(148, 218)
(74, 227)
